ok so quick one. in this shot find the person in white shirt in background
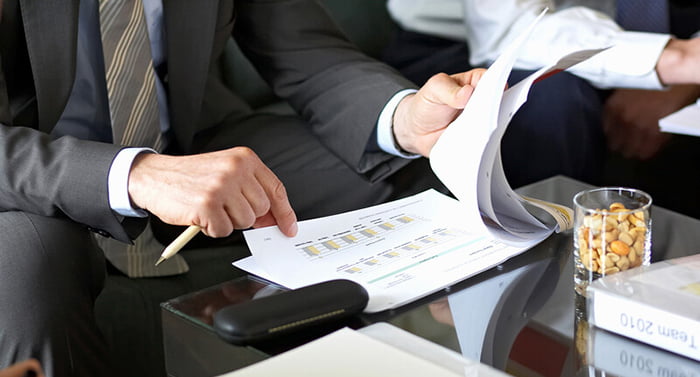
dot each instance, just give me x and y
(625, 90)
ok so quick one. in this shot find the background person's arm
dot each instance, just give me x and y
(491, 26)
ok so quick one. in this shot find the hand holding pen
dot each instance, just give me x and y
(214, 193)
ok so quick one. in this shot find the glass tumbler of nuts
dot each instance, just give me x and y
(612, 233)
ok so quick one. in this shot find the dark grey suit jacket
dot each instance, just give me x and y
(294, 45)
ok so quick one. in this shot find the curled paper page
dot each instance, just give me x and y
(406, 249)
(467, 158)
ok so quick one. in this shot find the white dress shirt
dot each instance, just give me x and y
(490, 25)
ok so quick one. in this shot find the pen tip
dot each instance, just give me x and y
(160, 260)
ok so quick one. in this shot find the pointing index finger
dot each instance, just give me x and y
(280, 208)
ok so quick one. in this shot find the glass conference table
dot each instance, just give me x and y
(522, 317)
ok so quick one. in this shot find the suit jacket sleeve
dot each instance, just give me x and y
(301, 53)
(63, 177)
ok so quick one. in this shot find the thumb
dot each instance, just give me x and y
(451, 90)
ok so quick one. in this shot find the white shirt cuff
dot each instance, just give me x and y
(630, 62)
(385, 132)
(118, 182)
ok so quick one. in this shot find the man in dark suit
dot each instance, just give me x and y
(352, 145)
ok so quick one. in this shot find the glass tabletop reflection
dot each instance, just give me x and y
(522, 316)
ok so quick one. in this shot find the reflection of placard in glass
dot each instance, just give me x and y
(626, 358)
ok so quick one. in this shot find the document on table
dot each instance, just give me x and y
(684, 121)
(404, 250)
(399, 251)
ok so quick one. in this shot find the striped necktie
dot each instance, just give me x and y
(130, 76)
(133, 106)
(643, 15)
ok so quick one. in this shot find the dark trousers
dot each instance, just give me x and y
(51, 272)
(557, 131)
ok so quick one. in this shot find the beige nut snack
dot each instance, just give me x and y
(612, 240)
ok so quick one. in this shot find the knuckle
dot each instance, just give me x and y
(245, 220)
(216, 183)
(246, 151)
(240, 160)
(288, 215)
(243, 153)
(207, 200)
(438, 77)
(278, 192)
(220, 230)
(261, 207)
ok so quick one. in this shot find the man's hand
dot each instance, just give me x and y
(631, 118)
(29, 367)
(219, 191)
(421, 118)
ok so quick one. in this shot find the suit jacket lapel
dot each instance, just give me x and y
(51, 33)
(189, 26)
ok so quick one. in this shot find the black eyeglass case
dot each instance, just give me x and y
(265, 318)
